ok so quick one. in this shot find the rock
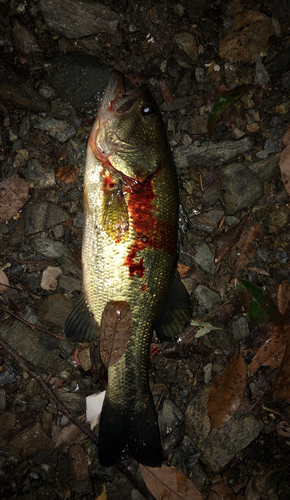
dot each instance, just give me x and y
(23, 95)
(30, 316)
(2, 400)
(224, 442)
(41, 216)
(32, 440)
(206, 297)
(72, 400)
(75, 19)
(211, 156)
(54, 310)
(278, 218)
(262, 75)
(32, 388)
(241, 187)
(240, 329)
(198, 475)
(248, 40)
(49, 248)
(169, 417)
(60, 130)
(24, 40)
(84, 358)
(271, 147)
(198, 125)
(81, 79)
(204, 258)
(27, 343)
(7, 376)
(187, 42)
(266, 169)
(70, 283)
(207, 221)
(49, 278)
(38, 175)
(78, 219)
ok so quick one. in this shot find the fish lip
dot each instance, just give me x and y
(116, 96)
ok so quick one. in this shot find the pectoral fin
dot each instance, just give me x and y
(115, 218)
(176, 312)
(80, 325)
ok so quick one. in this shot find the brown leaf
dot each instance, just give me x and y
(67, 174)
(169, 483)
(165, 90)
(257, 488)
(222, 491)
(181, 347)
(243, 251)
(116, 326)
(78, 462)
(103, 495)
(283, 428)
(285, 167)
(68, 435)
(283, 298)
(227, 392)
(227, 240)
(281, 384)
(13, 195)
(188, 272)
(4, 281)
(271, 352)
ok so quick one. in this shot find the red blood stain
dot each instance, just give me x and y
(155, 349)
(108, 182)
(143, 288)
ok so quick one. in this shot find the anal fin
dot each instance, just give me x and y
(80, 325)
(176, 312)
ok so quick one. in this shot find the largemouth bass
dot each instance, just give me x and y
(129, 254)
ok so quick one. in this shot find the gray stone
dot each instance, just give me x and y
(27, 343)
(24, 127)
(271, 147)
(169, 418)
(49, 248)
(206, 297)
(212, 155)
(187, 42)
(72, 400)
(70, 283)
(240, 328)
(32, 440)
(262, 75)
(242, 188)
(7, 376)
(54, 310)
(24, 40)
(58, 129)
(23, 95)
(204, 258)
(198, 475)
(266, 169)
(38, 175)
(77, 19)
(78, 219)
(2, 400)
(225, 441)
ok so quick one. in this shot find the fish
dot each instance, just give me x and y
(129, 255)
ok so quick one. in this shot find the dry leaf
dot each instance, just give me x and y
(243, 251)
(272, 351)
(227, 240)
(281, 384)
(78, 462)
(4, 282)
(169, 483)
(227, 392)
(115, 331)
(285, 162)
(103, 495)
(67, 174)
(94, 405)
(165, 90)
(68, 435)
(283, 429)
(13, 195)
(283, 298)
(188, 272)
(257, 488)
(222, 491)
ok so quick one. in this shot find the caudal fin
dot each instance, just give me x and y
(126, 432)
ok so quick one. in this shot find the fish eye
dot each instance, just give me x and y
(148, 111)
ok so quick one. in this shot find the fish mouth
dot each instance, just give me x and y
(116, 98)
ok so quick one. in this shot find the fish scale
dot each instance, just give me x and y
(129, 254)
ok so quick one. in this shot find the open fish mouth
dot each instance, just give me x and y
(116, 98)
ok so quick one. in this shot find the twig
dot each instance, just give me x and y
(30, 324)
(86, 430)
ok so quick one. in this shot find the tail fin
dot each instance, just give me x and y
(126, 432)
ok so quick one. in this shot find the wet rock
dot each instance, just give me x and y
(206, 297)
(80, 78)
(262, 75)
(70, 283)
(271, 147)
(23, 95)
(7, 376)
(76, 153)
(169, 417)
(32, 440)
(266, 169)
(213, 155)
(24, 40)
(187, 42)
(49, 248)
(198, 475)
(60, 130)
(83, 487)
(72, 400)
(240, 329)
(84, 358)
(204, 258)
(54, 310)
(32, 388)
(78, 219)
(72, 262)
(224, 442)
(39, 175)
(40, 216)
(30, 316)
(27, 343)
(49, 278)
(249, 38)
(75, 19)
(278, 218)
(36, 403)
(241, 186)
(207, 221)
